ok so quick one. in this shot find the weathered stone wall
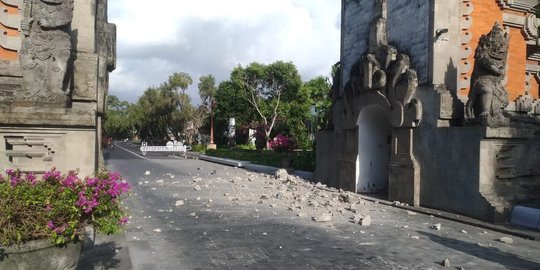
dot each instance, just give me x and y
(408, 28)
(481, 173)
(39, 134)
(356, 18)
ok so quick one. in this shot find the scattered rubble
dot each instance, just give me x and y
(325, 217)
(313, 201)
(445, 263)
(507, 240)
(179, 203)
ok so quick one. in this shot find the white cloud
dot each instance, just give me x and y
(212, 36)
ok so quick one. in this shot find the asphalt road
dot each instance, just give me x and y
(191, 214)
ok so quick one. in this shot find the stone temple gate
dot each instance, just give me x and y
(436, 104)
(55, 59)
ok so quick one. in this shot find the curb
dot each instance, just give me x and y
(501, 228)
(248, 165)
(224, 161)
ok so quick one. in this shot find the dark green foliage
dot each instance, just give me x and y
(255, 91)
(198, 148)
(166, 111)
(117, 123)
(271, 97)
(300, 160)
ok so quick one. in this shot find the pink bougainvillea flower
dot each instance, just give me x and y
(52, 175)
(123, 220)
(31, 178)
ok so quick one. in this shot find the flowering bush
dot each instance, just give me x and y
(58, 206)
(282, 144)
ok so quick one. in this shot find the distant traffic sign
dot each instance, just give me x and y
(170, 147)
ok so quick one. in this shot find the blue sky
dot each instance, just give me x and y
(202, 37)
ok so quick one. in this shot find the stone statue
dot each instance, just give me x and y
(488, 97)
(46, 50)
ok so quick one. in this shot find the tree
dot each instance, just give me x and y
(207, 92)
(180, 81)
(318, 89)
(164, 110)
(117, 123)
(230, 104)
(151, 114)
(266, 87)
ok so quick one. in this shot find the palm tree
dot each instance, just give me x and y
(207, 90)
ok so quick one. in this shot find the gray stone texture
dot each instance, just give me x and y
(409, 32)
(356, 18)
(40, 254)
(67, 42)
(382, 84)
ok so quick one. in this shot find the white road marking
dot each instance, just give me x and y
(129, 151)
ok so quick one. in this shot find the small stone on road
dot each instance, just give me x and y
(507, 240)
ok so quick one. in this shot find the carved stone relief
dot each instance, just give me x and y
(517, 164)
(46, 51)
(30, 152)
(387, 74)
(382, 78)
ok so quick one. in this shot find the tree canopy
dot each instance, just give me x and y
(117, 123)
(266, 88)
(270, 97)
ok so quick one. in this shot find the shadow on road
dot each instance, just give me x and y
(492, 254)
(102, 256)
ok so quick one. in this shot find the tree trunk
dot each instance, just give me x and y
(211, 127)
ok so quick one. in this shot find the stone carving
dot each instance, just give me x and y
(389, 74)
(28, 152)
(488, 97)
(46, 50)
(531, 28)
